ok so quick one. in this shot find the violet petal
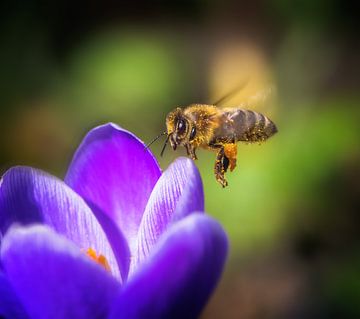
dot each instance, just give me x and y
(179, 276)
(28, 195)
(114, 171)
(10, 306)
(178, 193)
(53, 278)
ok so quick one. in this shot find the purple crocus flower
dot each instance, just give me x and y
(164, 253)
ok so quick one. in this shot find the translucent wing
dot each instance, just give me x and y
(240, 75)
(260, 101)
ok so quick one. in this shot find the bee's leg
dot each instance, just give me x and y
(193, 154)
(220, 167)
(225, 163)
(230, 151)
(187, 149)
(191, 151)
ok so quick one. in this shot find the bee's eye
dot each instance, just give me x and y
(181, 126)
(192, 133)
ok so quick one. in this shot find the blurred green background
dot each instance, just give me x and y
(292, 206)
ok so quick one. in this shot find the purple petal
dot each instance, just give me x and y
(28, 195)
(53, 278)
(113, 171)
(178, 193)
(10, 306)
(180, 275)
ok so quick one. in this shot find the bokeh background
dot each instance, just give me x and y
(293, 204)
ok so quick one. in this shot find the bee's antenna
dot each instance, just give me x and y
(163, 149)
(155, 139)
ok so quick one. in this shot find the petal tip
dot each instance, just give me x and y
(10, 170)
(110, 128)
(184, 160)
(185, 164)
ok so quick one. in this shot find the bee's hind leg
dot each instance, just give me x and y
(230, 151)
(221, 165)
(225, 162)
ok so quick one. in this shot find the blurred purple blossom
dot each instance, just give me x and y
(165, 254)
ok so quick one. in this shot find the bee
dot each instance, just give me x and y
(216, 129)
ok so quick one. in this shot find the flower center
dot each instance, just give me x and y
(100, 259)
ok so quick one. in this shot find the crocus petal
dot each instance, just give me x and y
(178, 193)
(178, 278)
(29, 195)
(10, 306)
(114, 171)
(53, 278)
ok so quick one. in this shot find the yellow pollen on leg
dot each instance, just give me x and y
(100, 259)
(231, 153)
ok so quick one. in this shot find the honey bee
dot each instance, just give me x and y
(216, 129)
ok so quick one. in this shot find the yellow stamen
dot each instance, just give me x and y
(100, 259)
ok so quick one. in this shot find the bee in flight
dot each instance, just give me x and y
(216, 129)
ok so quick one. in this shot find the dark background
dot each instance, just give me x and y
(292, 206)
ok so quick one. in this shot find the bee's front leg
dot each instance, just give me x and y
(190, 150)
(221, 165)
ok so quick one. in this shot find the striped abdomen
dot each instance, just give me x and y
(244, 125)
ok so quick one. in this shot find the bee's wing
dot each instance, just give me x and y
(240, 76)
(261, 101)
(230, 94)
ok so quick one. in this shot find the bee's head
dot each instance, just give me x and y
(177, 126)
